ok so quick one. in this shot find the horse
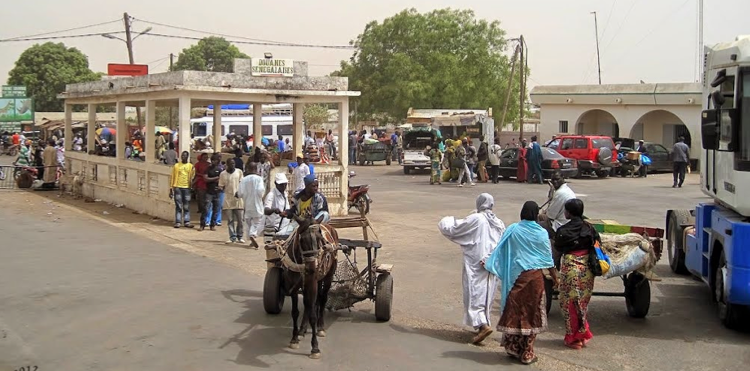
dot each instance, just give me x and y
(310, 264)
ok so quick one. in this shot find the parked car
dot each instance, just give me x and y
(552, 161)
(661, 157)
(595, 154)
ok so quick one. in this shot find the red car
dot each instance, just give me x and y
(595, 154)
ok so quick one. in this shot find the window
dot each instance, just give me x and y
(581, 143)
(602, 143)
(267, 130)
(656, 148)
(554, 144)
(285, 130)
(563, 127)
(742, 157)
(199, 129)
(567, 143)
(509, 154)
(238, 129)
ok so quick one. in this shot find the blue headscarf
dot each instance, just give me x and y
(524, 246)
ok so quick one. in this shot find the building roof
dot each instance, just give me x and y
(444, 112)
(618, 89)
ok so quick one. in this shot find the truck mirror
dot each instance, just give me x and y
(709, 135)
(729, 125)
(721, 76)
(718, 99)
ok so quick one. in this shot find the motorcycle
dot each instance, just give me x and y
(358, 196)
(8, 149)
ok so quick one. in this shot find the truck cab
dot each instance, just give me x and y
(415, 142)
(711, 241)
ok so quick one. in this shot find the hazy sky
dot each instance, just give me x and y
(650, 40)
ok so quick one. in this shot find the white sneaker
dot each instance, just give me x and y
(229, 242)
(473, 184)
(460, 185)
(241, 241)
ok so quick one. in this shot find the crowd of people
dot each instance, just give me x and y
(243, 190)
(45, 157)
(552, 244)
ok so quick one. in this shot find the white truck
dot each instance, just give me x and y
(415, 141)
(712, 241)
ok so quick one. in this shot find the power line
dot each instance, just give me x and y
(606, 23)
(624, 20)
(62, 37)
(346, 47)
(61, 31)
(211, 33)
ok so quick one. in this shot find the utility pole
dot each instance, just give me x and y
(598, 59)
(510, 86)
(700, 42)
(522, 92)
(129, 43)
(171, 63)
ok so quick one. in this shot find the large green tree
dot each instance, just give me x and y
(214, 54)
(442, 59)
(45, 69)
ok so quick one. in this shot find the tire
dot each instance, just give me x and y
(602, 174)
(637, 295)
(388, 160)
(729, 314)
(406, 170)
(383, 297)
(363, 202)
(605, 156)
(675, 243)
(273, 296)
(548, 292)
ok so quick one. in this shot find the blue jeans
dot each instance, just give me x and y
(210, 209)
(352, 155)
(212, 202)
(235, 221)
(181, 205)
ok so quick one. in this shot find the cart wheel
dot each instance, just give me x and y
(273, 297)
(548, 292)
(637, 295)
(383, 297)
(363, 204)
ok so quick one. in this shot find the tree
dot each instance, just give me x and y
(315, 116)
(441, 59)
(214, 54)
(45, 70)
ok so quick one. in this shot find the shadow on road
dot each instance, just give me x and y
(446, 334)
(483, 357)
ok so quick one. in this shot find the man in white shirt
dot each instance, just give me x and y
(276, 203)
(554, 217)
(229, 182)
(251, 192)
(494, 157)
(300, 173)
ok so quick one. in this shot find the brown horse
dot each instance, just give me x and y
(310, 267)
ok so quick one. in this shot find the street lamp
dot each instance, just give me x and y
(109, 36)
(143, 32)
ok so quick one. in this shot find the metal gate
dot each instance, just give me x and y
(7, 180)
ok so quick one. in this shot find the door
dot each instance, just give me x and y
(509, 162)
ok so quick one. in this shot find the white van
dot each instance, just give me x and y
(272, 126)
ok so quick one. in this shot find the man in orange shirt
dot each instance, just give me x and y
(16, 139)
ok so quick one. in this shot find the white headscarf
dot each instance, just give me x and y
(485, 201)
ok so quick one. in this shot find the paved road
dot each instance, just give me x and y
(121, 292)
(79, 294)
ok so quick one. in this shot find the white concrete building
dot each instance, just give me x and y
(653, 112)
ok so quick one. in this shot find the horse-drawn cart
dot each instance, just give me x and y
(380, 150)
(350, 285)
(635, 279)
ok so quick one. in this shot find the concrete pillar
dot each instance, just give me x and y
(217, 128)
(68, 127)
(183, 128)
(122, 131)
(299, 136)
(149, 139)
(257, 124)
(343, 150)
(91, 128)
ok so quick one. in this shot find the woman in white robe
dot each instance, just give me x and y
(478, 234)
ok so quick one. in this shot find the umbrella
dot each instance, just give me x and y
(163, 130)
(105, 131)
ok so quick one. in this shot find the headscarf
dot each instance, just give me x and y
(530, 211)
(524, 246)
(485, 201)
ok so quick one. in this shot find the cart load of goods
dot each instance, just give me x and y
(348, 286)
(629, 252)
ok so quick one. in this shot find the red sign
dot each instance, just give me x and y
(114, 69)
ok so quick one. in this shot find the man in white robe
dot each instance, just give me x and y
(554, 217)
(251, 192)
(478, 235)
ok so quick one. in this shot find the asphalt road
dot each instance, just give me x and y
(105, 289)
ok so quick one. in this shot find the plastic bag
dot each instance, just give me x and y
(645, 160)
(633, 261)
(604, 261)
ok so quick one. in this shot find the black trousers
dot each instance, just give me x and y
(678, 173)
(494, 172)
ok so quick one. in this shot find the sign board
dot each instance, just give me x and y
(14, 91)
(11, 127)
(16, 109)
(272, 67)
(114, 69)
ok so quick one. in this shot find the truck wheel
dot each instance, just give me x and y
(637, 295)
(383, 297)
(548, 292)
(675, 243)
(406, 170)
(602, 174)
(729, 314)
(273, 295)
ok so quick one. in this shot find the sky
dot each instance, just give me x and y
(649, 40)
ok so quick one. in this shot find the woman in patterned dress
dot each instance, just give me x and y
(575, 239)
(522, 254)
(435, 159)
